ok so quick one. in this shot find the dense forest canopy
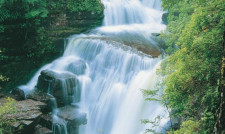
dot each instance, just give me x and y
(194, 40)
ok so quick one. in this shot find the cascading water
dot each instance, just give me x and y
(110, 73)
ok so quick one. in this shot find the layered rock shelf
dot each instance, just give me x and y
(34, 112)
(27, 116)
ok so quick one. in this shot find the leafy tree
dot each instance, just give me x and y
(194, 39)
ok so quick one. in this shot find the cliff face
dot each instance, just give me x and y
(62, 24)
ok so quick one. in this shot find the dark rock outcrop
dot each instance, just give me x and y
(62, 24)
(30, 118)
(62, 85)
(18, 93)
(46, 120)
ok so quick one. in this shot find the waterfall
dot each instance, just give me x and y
(111, 72)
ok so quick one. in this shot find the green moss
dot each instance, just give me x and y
(7, 108)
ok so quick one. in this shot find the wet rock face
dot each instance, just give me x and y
(63, 86)
(78, 67)
(51, 80)
(73, 117)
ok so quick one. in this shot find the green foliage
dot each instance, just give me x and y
(74, 6)
(7, 108)
(3, 78)
(85, 5)
(20, 23)
(26, 41)
(188, 127)
(150, 95)
(194, 39)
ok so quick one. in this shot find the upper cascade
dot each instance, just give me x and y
(122, 12)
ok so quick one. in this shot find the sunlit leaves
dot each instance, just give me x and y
(188, 127)
(194, 38)
(3, 78)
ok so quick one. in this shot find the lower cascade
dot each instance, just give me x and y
(95, 87)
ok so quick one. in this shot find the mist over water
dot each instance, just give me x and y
(113, 74)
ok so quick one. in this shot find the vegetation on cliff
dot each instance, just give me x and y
(194, 39)
(30, 28)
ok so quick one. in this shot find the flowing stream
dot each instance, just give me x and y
(113, 73)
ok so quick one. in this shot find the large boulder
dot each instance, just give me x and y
(62, 85)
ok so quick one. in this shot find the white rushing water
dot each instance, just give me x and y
(114, 73)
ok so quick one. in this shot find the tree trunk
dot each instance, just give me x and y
(219, 127)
